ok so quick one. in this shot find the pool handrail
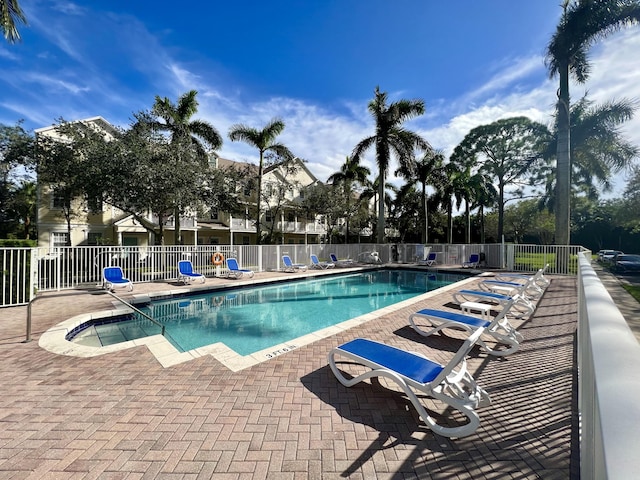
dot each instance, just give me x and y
(138, 311)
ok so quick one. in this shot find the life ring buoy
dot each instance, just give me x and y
(217, 258)
(217, 301)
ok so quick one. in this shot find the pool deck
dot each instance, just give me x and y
(124, 415)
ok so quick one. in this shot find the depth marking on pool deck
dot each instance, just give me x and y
(280, 351)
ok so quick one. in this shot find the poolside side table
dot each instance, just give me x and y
(504, 289)
(483, 308)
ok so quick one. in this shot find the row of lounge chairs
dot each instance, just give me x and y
(113, 276)
(451, 383)
(431, 260)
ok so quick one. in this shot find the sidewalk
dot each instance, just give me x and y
(628, 306)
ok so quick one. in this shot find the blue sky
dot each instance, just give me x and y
(313, 63)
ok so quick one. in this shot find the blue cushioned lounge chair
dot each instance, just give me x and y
(112, 278)
(186, 273)
(340, 263)
(539, 279)
(315, 263)
(501, 331)
(291, 267)
(430, 260)
(233, 270)
(473, 262)
(524, 286)
(451, 383)
(521, 306)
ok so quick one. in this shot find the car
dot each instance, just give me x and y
(608, 255)
(625, 263)
(601, 253)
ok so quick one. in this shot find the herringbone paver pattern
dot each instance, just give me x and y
(124, 416)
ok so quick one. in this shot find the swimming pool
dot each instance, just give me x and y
(248, 320)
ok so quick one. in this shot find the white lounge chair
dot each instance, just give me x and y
(186, 273)
(499, 328)
(291, 267)
(315, 263)
(473, 262)
(112, 278)
(540, 280)
(525, 286)
(340, 263)
(451, 383)
(522, 306)
(233, 270)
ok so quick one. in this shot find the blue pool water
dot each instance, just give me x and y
(248, 320)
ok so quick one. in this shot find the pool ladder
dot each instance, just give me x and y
(138, 311)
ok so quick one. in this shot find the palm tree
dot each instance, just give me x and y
(10, 14)
(391, 137)
(582, 24)
(351, 172)
(265, 141)
(597, 150)
(484, 194)
(187, 135)
(424, 174)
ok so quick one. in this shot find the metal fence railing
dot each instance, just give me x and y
(18, 275)
(27, 270)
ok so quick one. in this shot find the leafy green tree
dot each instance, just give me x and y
(506, 151)
(189, 138)
(16, 164)
(265, 141)
(391, 137)
(632, 199)
(64, 168)
(23, 210)
(581, 25)
(405, 214)
(278, 194)
(349, 174)
(598, 149)
(10, 16)
(525, 220)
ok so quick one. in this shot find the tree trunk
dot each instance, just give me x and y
(467, 233)
(260, 171)
(482, 235)
(381, 208)
(563, 159)
(176, 225)
(425, 233)
(500, 211)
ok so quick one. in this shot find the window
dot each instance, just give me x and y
(290, 217)
(214, 214)
(94, 238)
(214, 241)
(245, 239)
(301, 194)
(59, 239)
(94, 204)
(267, 217)
(247, 190)
(58, 199)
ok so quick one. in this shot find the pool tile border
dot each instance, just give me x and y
(55, 339)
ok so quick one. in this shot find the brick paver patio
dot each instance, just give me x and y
(124, 416)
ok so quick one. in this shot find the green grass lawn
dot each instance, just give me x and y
(634, 290)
